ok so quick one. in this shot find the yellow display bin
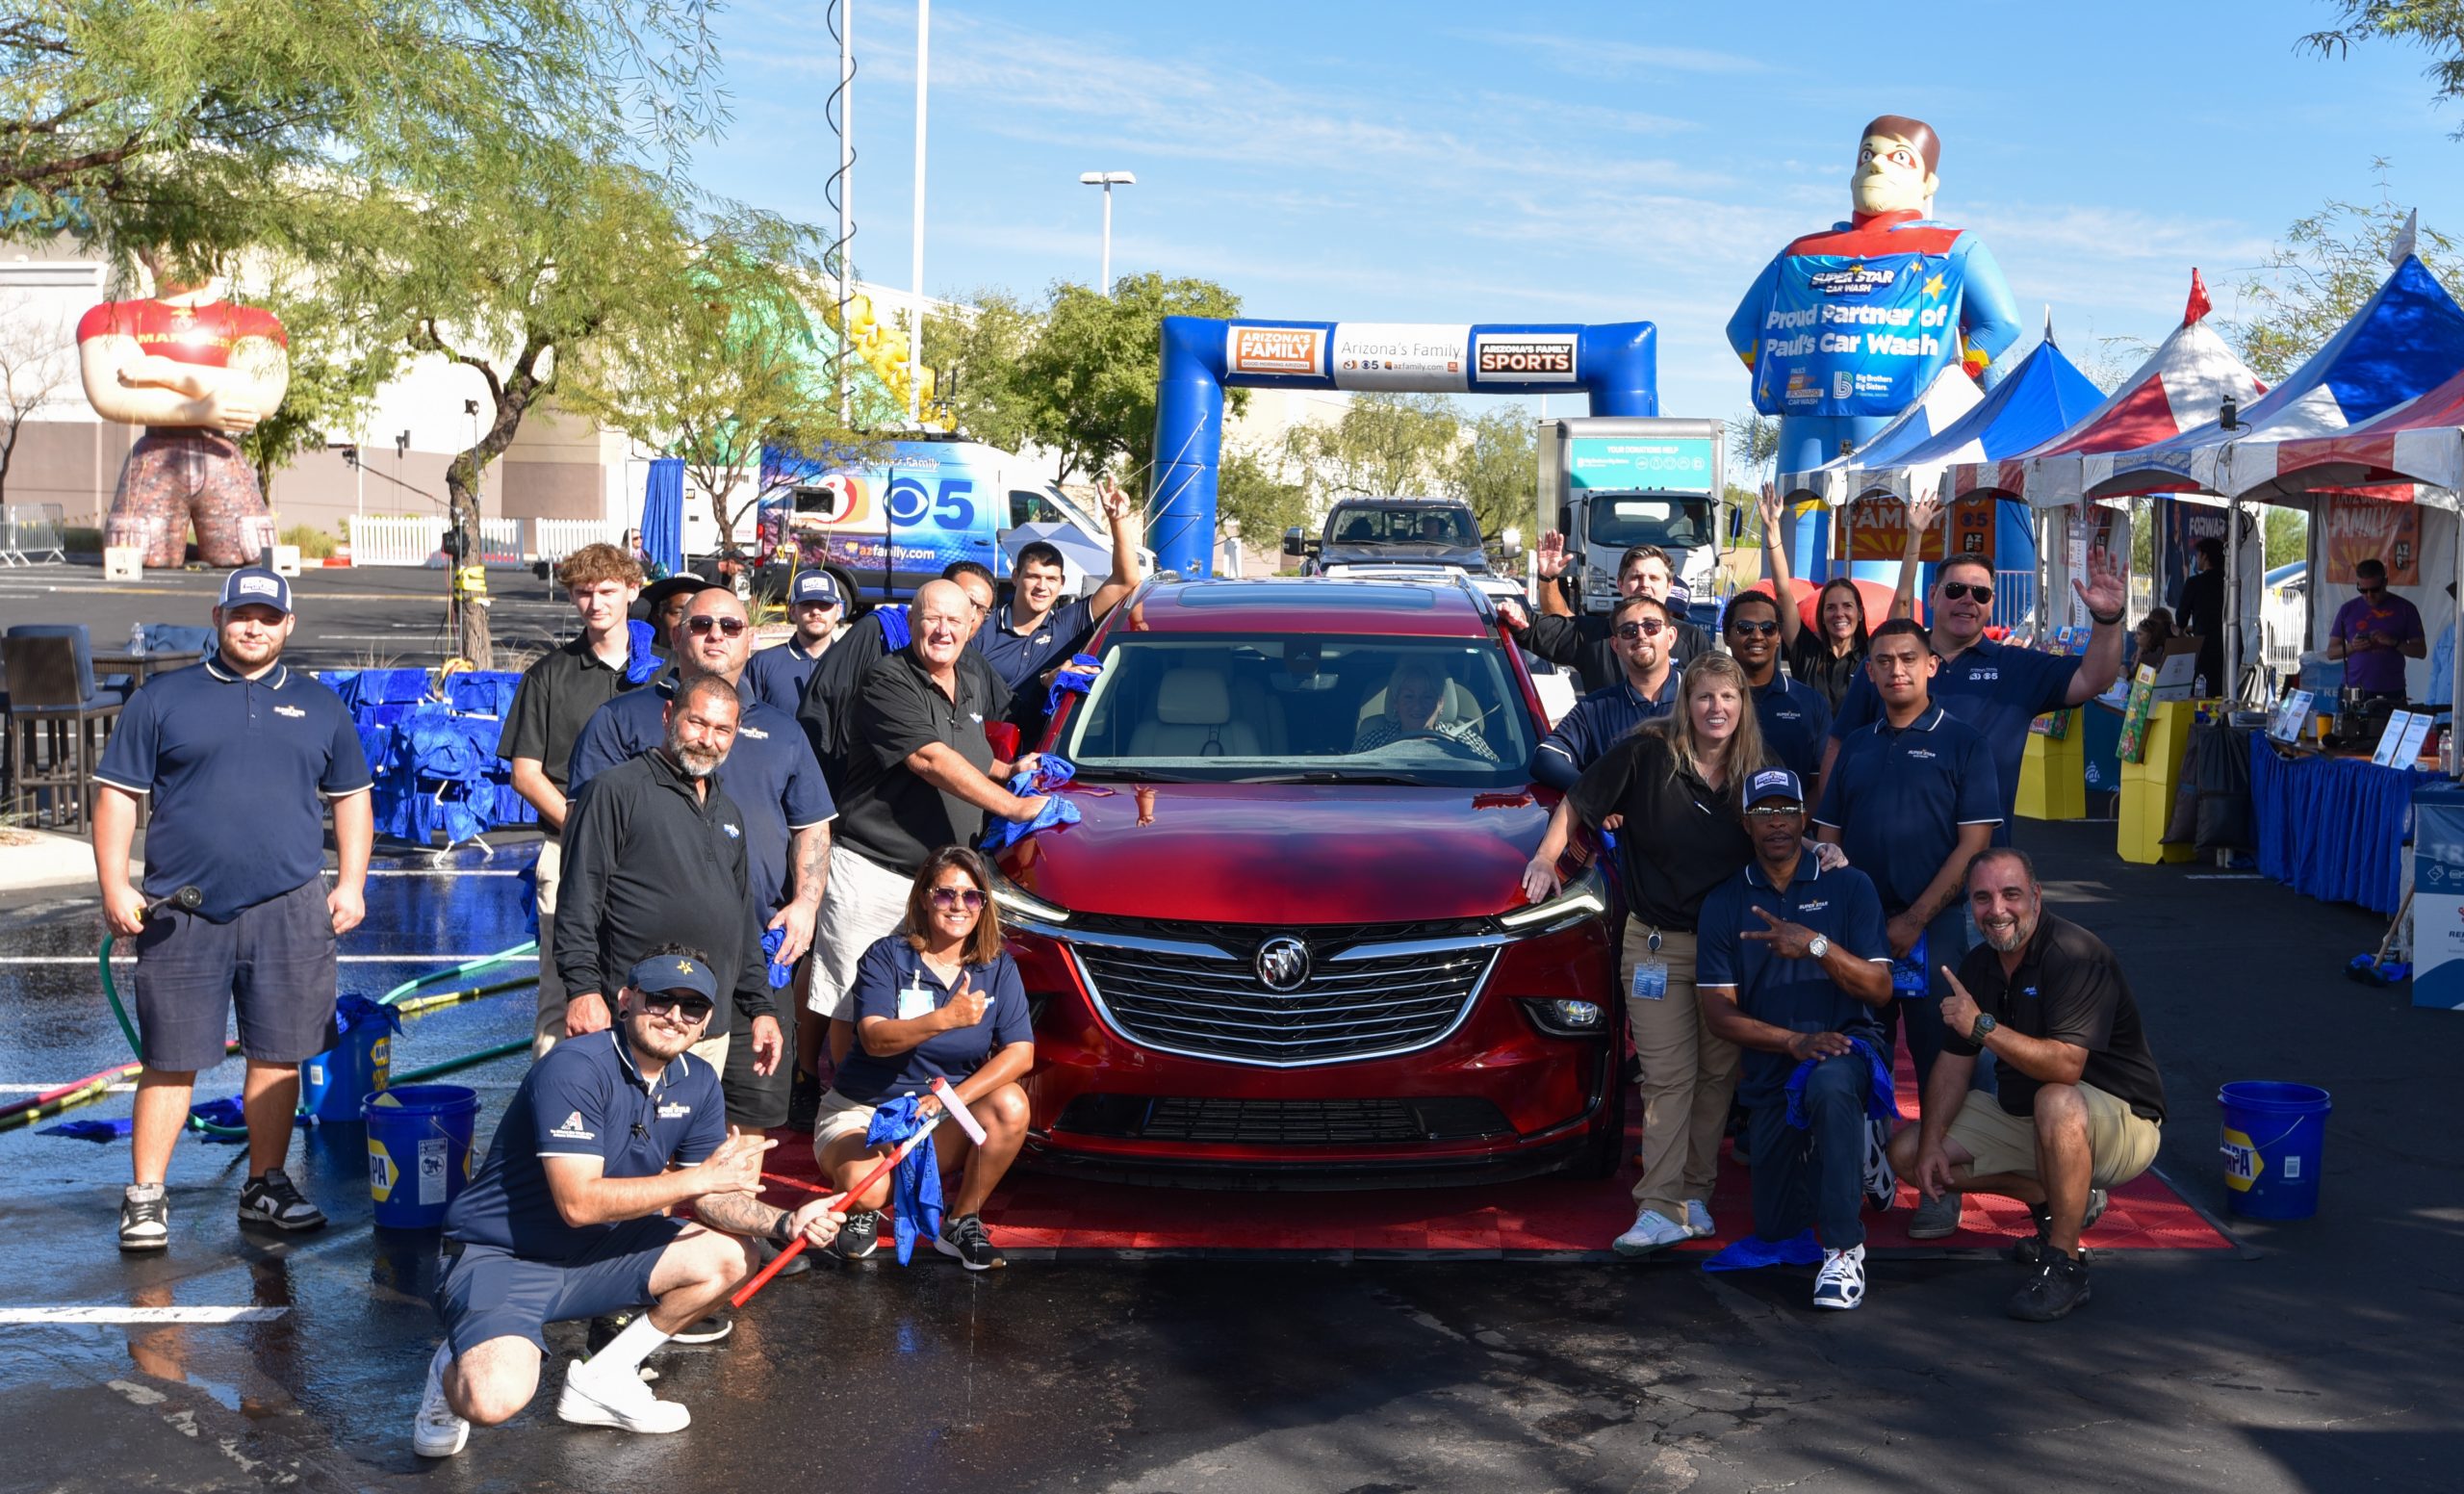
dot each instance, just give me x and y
(2053, 776)
(2148, 786)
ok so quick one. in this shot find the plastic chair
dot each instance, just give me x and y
(58, 722)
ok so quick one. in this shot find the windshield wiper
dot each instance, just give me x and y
(1335, 775)
(1136, 776)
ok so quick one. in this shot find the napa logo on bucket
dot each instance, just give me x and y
(2243, 1163)
(383, 1175)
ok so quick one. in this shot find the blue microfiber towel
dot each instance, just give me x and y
(1050, 773)
(527, 879)
(218, 1112)
(1751, 1254)
(1074, 678)
(779, 974)
(1908, 981)
(641, 658)
(1880, 1103)
(914, 1184)
(350, 1012)
(895, 632)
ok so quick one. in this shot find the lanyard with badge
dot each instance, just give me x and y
(1650, 972)
(916, 999)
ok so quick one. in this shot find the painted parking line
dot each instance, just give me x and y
(140, 1314)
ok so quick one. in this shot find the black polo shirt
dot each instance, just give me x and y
(1682, 836)
(828, 711)
(1829, 675)
(2068, 987)
(1899, 795)
(556, 697)
(238, 772)
(647, 864)
(888, 816)
(1582, 645)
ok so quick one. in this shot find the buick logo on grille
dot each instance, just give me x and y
(1283, 963)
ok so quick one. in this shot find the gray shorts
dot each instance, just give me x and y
(275, 961)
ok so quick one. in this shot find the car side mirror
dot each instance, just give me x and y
(1293, 542)
(1511, 544)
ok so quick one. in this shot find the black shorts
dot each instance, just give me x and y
(487, 1293)
(276, 959)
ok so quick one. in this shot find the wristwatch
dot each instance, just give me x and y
(1985, 1023)
(1819, 948)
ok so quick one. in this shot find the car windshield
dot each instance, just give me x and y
(1286, 707)
(1620, 520)
(1401, 524)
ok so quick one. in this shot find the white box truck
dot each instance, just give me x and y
(1609, 482)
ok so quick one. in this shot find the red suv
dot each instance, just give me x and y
(1288, 944)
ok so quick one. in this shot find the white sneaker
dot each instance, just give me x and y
(1843, 1281)
(620, 1401)
(437, 1433)
(1652, 1231)
(1698, 1220)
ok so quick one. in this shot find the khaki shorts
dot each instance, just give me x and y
(862, 902)
(839, 1116)
(2121, 1142)
(713, 1052)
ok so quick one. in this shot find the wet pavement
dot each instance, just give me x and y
(2323, 1359)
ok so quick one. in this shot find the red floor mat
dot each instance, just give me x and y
(1036, 1215)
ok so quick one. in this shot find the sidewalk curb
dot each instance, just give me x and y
(31, 859)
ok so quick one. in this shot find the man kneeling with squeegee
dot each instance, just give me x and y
(568, 1217)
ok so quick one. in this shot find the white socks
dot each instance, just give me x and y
(626, 1352)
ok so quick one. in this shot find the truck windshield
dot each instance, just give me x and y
(1402, 524)
(1224, 708)
(1621, 520)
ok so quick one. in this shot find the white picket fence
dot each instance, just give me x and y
(419, 540)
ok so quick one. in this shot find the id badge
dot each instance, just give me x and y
(915, 1001)
(1650, 980)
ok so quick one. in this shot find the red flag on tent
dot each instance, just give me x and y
(2199, 305)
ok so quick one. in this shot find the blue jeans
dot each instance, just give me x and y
(1818, 1173)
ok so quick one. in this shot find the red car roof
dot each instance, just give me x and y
(1312, 606)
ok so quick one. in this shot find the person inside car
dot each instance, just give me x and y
(1414, 693)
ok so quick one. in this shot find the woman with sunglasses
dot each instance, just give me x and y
(1673, 785)
(938, 999)
(1829, 657)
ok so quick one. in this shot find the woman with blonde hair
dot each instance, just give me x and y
(1671, 791)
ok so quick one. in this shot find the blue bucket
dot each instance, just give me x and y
(418, 1151)
(2275, 1135)
(334, 1083)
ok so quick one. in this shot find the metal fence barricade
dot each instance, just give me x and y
(33, 534)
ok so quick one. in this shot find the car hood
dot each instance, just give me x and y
(1284, 853)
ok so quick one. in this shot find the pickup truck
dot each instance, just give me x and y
(1428, 539)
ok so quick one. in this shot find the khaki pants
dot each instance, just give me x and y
(713, 1052)
(1689, 1076)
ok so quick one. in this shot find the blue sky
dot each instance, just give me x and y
(1443, 162)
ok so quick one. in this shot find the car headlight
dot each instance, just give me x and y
(1564, 1019)
(1018, 904)
(1585, 896)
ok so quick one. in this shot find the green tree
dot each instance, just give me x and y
(1250, 491)
(2288, 536)
(976, 355)
(1385, 443)
(1094, 367)
(2435, 26)
(1495, 469)
(1753, 443)
(2329, 264)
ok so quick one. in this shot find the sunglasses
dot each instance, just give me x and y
(730, 627)
(1648, 628)
(967, 899)
(1952, 591)
(693, 1009)
(1755, 630)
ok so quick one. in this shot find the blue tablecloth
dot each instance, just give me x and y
(2332, 828)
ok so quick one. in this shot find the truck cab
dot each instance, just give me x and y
(1399, 538)
(1612, 483)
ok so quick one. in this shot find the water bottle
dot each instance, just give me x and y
(137, 639)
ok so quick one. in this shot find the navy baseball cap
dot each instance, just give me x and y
(253, 586)
(814, 587)
(1774, 784)
(675, 973)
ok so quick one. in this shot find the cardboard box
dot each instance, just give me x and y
(123, 562)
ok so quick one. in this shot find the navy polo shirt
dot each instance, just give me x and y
(777, 676)
(238, 770)
(1898, 798)
(892, 966)
(1794, 721)
(771, 773)
(1020, 657)
(1994, 688)
(1839, 905)
(1598, 719)
(586, 1098)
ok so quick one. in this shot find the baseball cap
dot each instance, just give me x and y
(674, 972)
(255, 585)
(655, 595)
(1774, 784)
(814, 587)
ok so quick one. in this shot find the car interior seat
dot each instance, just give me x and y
(1194, 719)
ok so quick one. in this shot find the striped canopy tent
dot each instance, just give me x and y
(2406, 341)
(2181, 385)
(2045, 396)
(1951, 396)
(2418, 442)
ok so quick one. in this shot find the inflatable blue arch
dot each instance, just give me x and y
(1615, 365)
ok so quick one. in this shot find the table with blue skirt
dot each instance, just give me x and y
(2332, 828)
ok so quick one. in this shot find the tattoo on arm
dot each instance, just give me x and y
(737, 1214)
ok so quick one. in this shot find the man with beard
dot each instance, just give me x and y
(2082, 1106)
(1587, 644)
(1642, 633)
(571, 1215)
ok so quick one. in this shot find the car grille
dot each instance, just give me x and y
(1283, 1122)
(1206, 1000)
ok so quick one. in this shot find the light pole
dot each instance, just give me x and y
(1108, 180)
(915, 319)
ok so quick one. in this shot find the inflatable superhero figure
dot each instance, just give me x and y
(1846, 329)
(196, 371)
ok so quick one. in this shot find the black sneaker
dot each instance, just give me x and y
(2058, 1284)
(861, 1236)
(963, 1236)
(273, 1200)
(797, 1265)
(145, 1217)
(2027, 1253)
